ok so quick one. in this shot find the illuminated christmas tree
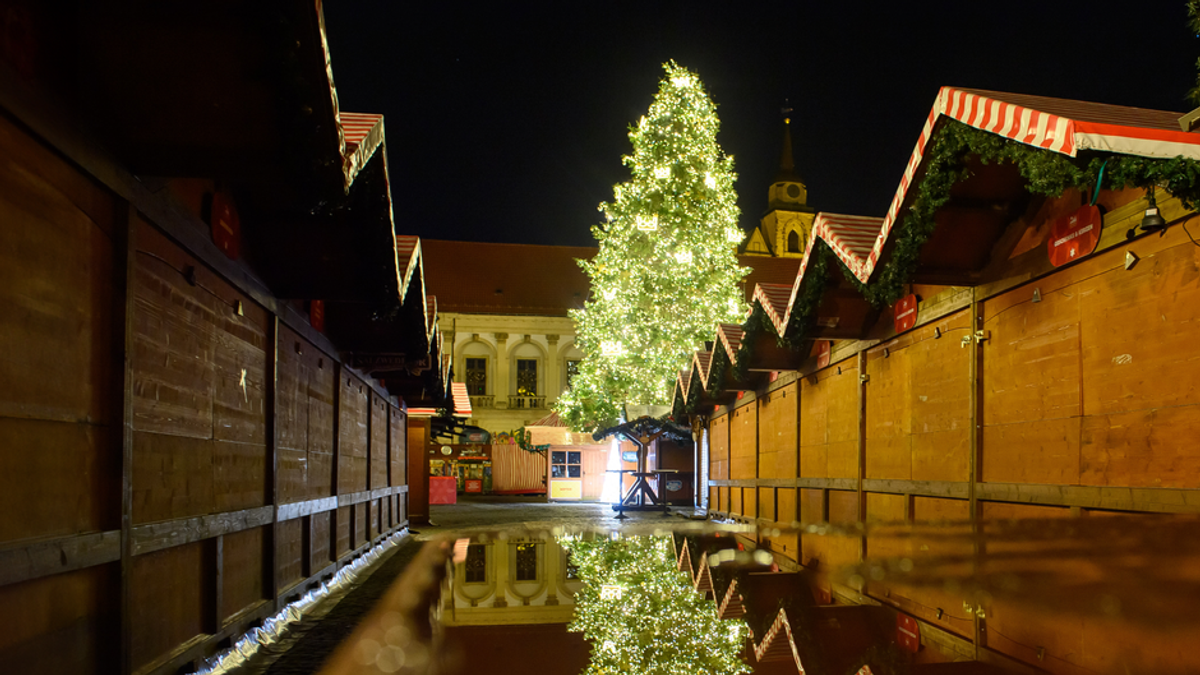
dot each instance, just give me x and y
(666, 271)
(641, 615)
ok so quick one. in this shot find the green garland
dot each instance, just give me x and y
(1047, 173)
(524, 441)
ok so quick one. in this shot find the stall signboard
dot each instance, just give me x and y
(226, 227)
(905, 313)
(823, 353)
(908, 633)
(1074, 236)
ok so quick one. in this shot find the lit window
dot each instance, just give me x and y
(477, 377)
(526, 562)
(566, 464)
(526, 377)
(475, 566)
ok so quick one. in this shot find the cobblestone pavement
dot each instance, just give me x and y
(314, 639)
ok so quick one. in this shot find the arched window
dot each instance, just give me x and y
(793, 242)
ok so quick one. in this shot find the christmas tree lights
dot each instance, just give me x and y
(641, 614)
(666, 271)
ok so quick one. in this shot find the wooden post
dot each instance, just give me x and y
(272, 468)
(336, 455)
(976, 413)
(124, 267)
(863, 379)
(729, 460)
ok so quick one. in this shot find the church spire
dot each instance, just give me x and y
(787, 165)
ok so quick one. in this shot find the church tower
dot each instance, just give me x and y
(785, 227)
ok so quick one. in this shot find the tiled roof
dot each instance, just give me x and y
(481, 278)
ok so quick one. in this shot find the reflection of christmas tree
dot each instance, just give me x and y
(666, 270)
(642, 616)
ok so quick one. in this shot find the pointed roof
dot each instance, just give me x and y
(787, 165)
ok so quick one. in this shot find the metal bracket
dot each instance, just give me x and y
(864, 378)
(979, 336)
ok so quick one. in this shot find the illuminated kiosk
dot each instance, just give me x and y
(647, 426)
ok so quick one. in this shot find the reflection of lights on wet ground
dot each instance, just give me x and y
(394, 649)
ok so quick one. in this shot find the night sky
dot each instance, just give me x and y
(507, 123)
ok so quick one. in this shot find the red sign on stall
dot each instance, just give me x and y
(226, 227)
(823, 353)
(1074, 236)
(905, 313)
(473, 485)
(908, 633)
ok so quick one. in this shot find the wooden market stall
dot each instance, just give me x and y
(1025, 355)
(193, 436)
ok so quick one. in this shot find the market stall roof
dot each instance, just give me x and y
(1057, 125)
(462, 402)
(853, 239)
(774, 300)
(646, 426)
(551, 420)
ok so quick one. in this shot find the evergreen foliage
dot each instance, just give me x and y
(666, 271)
(642, 616)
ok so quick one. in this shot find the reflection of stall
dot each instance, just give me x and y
(575, 464)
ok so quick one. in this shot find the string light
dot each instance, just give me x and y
(666, 271)
(658, 623)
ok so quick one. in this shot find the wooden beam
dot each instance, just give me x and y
(922, 488)
(295, 510)
(158, 536)
(54, 556)
(1154, 500)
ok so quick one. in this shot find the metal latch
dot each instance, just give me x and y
(979, 336)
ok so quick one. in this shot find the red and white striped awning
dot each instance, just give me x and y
(462, 402)
(702, 364)
(855, 240)
(731, 336)
(409, 263)
(682, 382)
(431, 321)
(361, 134)
(774, 300)
(1054, 124)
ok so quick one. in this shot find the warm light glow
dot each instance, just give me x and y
(647, 223)
(611, 592)
(658, 623)
(655, 298)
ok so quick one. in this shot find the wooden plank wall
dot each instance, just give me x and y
(180, 458)
(1087, 404)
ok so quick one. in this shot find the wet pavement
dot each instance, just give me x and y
(313, 639)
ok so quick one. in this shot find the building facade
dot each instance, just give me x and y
(506, 317)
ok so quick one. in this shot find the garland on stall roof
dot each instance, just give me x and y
(524, 439)
(1048, 174)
